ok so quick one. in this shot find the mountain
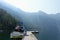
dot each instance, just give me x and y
(7, 24)
(12, 10)
(57, 18)
(47, 25)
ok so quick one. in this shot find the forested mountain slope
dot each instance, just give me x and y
(47, 25)
(7, 24)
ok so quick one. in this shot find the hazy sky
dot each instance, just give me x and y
(48, 6)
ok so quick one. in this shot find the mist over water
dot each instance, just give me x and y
(48, 25)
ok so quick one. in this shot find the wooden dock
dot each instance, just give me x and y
(30, 36)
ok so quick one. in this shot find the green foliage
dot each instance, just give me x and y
(7, 24)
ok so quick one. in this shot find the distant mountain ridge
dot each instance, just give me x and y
(46, 24)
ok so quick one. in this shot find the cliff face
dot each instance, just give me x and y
(7, 24)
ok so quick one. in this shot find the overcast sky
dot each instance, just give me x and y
(48, 6)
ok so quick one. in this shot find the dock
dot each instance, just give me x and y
(30, 36)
